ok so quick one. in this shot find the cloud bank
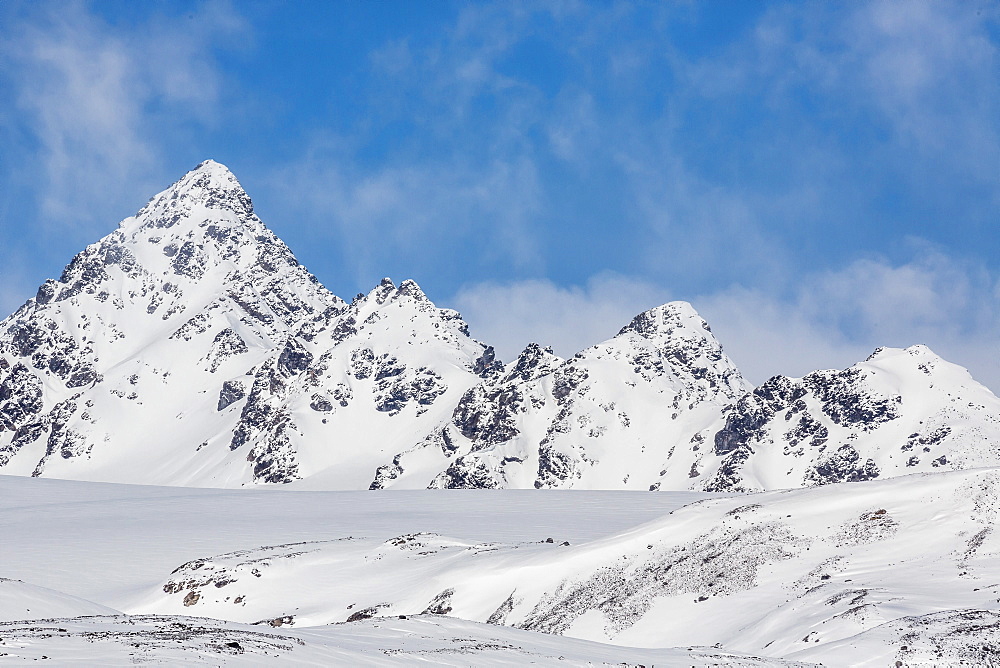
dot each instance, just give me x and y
(831, 320)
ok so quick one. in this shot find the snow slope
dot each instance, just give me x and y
(108, 542)
(778, 573)
(111, 543)
(845, 574)
(19, 600)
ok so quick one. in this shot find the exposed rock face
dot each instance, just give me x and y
(190, 347)
(661, 407)
(899, 411)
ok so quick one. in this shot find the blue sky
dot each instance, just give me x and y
(816, 178)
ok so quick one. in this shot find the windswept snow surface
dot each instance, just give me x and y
(776, 573)
(19, 600)
(113, 542)
(110, 542)
(873, 571)
(423, 640)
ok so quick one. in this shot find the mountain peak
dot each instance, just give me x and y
(919, 350)
(919, 364)
(386, 290)
(208, 192)
(916, 356)
(664, 320)
(208, 175)
(409, 288)
(533, 362)
(211, 166)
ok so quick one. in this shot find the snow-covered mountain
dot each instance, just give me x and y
(900, 411)
(660, 406)
(189, 347)
(623, 414)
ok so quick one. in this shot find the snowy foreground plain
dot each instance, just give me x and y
(854, 574)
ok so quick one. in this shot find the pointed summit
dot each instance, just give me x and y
(675, 340)
(533, 362)
(387, 291)
(207, 178)
(214, 170)
(194, 285)
(208, 191)
(665, 320)
(202, 229)
(409, 288)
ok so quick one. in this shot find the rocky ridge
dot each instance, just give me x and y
(900, 411)
(189, 347)
(609, 417)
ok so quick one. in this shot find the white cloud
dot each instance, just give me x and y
(102, 101)
(831, 319)
(947, 303)
(508, 316)
(766, 336)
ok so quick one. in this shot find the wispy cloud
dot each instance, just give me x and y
(931, 70)
(103, 102)
(744, 163)
(887, 90)
(823, 133)
(435, 219)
